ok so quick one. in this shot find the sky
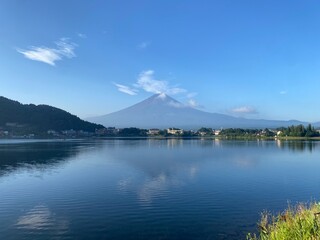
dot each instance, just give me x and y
(253, 59)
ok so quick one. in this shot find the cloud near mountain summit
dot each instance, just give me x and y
(147, 82)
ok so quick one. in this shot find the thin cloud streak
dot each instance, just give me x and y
(244, 110)
(64, 49)
(126, 89)
(82, 35)
(192, 94)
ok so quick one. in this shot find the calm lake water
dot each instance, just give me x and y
(150, 189)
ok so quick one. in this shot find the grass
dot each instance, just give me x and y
(301, 222)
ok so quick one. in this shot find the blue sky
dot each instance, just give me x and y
(255, 59)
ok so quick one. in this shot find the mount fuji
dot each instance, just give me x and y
(162, 111)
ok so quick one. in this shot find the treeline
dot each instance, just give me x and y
(298, 131)
(131, 132)
(291, 131)
(247, 133)
(137, 132)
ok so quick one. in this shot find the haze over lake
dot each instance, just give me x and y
(150, 189)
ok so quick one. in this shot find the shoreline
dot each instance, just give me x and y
(172, 137)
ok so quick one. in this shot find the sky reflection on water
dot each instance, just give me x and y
(169, 189)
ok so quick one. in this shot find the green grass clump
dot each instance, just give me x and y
(301, 222)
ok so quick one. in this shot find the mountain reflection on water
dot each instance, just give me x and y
(41, 154)
(150, 188)
(15, 155)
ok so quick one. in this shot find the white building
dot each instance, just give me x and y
(153, 131)
(175, 131)
(217, 132)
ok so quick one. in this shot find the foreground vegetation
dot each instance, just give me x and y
(296, 223)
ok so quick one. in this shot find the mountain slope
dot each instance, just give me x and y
(41, 117)
(316, 124)
(162, 111)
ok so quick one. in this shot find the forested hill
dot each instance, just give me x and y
(40, 117)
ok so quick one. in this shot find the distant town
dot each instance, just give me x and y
(15, 130)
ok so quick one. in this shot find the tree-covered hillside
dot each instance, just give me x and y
(40, 118)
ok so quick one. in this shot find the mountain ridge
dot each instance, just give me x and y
(163, 111)
(40, 118)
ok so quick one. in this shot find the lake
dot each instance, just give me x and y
(150, 189)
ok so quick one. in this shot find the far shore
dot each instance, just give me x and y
(172, 137)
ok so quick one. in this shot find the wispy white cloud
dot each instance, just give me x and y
(283, 92)
(192, 103)
(143, 45)
(148, 83)
(126, 89)
(244, 110)
(64, 49)
(82, 35)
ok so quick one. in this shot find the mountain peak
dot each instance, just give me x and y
(162, 95)
(160, 99)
